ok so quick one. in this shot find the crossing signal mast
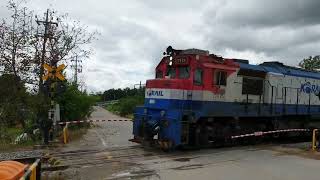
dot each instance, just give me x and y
(51, 75)
(46, 35)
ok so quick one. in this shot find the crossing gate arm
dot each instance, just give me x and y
(91, 121)
(261, 133)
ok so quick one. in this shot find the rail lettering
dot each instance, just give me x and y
(310, 88)
(154, 93)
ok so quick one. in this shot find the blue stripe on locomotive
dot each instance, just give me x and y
(232, 109)
(175, 109)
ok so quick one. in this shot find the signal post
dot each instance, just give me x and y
(53, 78)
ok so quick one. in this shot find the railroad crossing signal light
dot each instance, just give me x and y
(53, 72)
(52, 89)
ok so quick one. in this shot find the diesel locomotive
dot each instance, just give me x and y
(198, 98)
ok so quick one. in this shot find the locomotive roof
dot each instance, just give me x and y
(277, 67)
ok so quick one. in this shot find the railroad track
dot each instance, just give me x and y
(136, 154)
(86, 158)
(132, 154)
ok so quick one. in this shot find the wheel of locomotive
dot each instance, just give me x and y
(203, 133)
(192, 139)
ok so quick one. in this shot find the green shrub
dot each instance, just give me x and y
(126, 105)
(75, 104)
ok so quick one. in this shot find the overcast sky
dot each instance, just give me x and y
(135, 33)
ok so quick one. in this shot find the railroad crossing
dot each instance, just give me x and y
(105, 152)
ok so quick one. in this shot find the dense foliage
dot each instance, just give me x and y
(24, 102)
(76, 104)
(311, 63)
(127, 98)
(115, 94)
(13, 99)
(19, 108)
(125, 106)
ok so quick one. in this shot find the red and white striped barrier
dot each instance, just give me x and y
(261, 133)
(91, 121)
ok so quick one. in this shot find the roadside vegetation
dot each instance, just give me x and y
(24, 96)
(126, 105)
(124, 100)
(76, 105)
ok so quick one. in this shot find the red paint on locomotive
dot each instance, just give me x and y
(208, 63)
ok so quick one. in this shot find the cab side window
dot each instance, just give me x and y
(184, 72)
(220, 78)
(198, 77)
(159, 74)
(252, 86)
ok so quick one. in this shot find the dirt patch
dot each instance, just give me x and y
(182, 159)
(295, 151)
(188, 167)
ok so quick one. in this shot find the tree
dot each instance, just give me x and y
(15, 38)
(76, 104)
(21, 46)
(310, 63)
(69, 40)
(21, 43)
(12, 105)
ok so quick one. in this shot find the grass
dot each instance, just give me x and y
(76, 132)
(126, 106)
(7, 143)
(8, 137)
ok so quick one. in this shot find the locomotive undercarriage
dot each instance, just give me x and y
(219, 130)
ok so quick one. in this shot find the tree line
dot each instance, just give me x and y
(116, 94)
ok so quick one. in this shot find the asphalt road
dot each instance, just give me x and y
(121, 159)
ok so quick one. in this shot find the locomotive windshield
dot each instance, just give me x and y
(181, 72)
(171, 72)
(184, 72)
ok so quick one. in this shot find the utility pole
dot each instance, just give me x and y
(77, 69)
(46, 35)
(46, 125)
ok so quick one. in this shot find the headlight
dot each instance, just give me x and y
(145, 111)
(162, 113)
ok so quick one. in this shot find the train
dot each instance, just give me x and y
(198, 98)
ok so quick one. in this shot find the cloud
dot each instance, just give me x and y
(261, 14)
(135, 33)
(280, 30)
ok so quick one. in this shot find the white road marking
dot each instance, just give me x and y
(100, 137)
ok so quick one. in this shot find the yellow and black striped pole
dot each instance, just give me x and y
(33, 172)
